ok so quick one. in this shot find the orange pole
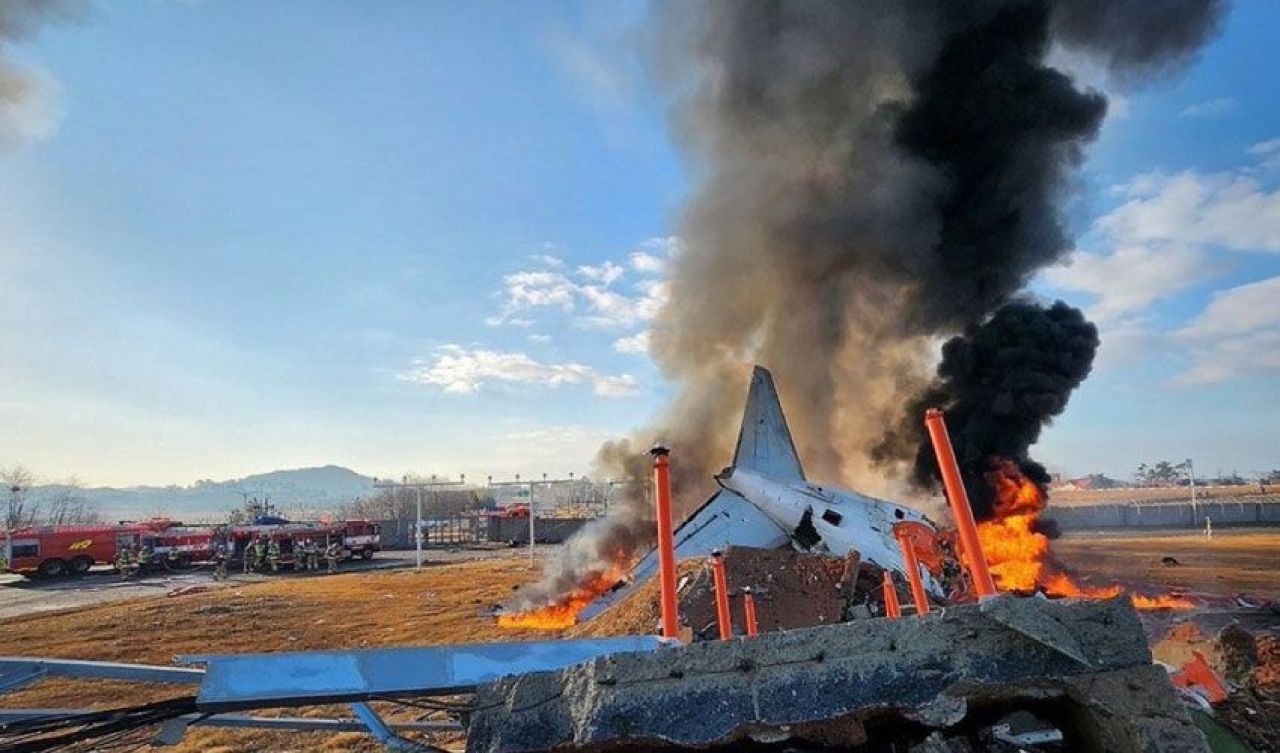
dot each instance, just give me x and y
(722, 595)
(959, 501)
(913, 575)
(749, 607)
(666, 542)
(892, 609)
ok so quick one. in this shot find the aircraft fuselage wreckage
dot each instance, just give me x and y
(765, 501)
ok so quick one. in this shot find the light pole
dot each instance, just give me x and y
(8, 524)
(417, 488)
(1191, 475)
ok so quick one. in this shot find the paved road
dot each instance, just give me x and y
(19, 596)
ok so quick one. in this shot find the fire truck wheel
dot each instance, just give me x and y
(367, 554)
(81, 565)
(54, 568)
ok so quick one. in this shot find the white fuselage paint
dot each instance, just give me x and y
(865, 523)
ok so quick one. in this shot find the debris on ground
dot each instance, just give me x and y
(1078, 668)
(791, 590)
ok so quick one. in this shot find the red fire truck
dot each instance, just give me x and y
(55, 551)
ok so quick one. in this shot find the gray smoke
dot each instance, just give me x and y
(26, 107)
(868, 177)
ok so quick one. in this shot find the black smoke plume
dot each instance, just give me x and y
(1000, 383)
(867, 177)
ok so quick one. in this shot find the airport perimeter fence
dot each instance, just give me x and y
(1222, 511)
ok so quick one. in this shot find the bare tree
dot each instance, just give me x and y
(27, 503)
(21, 511)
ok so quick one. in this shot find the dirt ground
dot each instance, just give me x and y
(1229, 563)
(441, 604)
(451, 603)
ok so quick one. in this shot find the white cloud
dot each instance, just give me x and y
(592, 293)
(647, 263)
(460, 371)
(1237, 311)
(1268, 152)
(1237, 333)
(547, 260)
(637, 344)
(539, 338)
(1161, 239)
(606, 274)
(1129, 278)
(1218, 106)
(1233, 210)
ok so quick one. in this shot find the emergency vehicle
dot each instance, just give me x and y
(57, 551)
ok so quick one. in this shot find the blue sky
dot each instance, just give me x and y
(238, 236)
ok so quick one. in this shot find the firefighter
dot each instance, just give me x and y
(171, 558)
(300, 554)
(313, 556)
(145, 557)
(219, 561)
(273, 554)
(124, 561)
(259, 553)
(246, 555)
(331, 554)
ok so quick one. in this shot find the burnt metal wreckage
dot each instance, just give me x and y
(1006, 673)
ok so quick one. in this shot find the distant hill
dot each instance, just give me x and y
(294, 492)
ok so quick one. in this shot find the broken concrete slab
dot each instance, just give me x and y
(857, 682)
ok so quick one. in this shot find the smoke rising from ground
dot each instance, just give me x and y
(28, 102)
(868, 177)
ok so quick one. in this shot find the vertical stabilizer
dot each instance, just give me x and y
(764, 441)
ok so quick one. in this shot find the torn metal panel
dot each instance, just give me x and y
(19, 671)
(308, 677)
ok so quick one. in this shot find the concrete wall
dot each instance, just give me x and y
(545, 530)
(1250, 511)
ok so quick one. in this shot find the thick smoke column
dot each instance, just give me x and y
(868, 177)
(999, 383)
(26, 110)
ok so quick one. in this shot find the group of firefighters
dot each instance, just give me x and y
(259, 554)
(130, 562)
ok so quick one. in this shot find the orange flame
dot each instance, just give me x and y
(563, 612)
(1019, 556)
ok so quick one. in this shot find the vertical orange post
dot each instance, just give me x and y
(913, 575)
(892, 609)
(959, 501)
(722, 595)
(666, 542)
(749, 609)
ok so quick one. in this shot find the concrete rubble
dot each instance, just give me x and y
(935, 683)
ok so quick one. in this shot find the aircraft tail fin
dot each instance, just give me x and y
(764, 441)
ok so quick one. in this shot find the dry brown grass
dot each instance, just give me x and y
(444, 604)
(1228, 563)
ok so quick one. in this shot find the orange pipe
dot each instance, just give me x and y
(722, 595)
(892, 609)
(749, 607)
(666, 542)
(959, 501)
(913, 575)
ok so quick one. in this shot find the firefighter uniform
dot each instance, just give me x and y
(124, 562)
(300, 554)
(171, 558)
(145, 556)
(273, 555)
(313, 556)
(219, 562)
(331, 553)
